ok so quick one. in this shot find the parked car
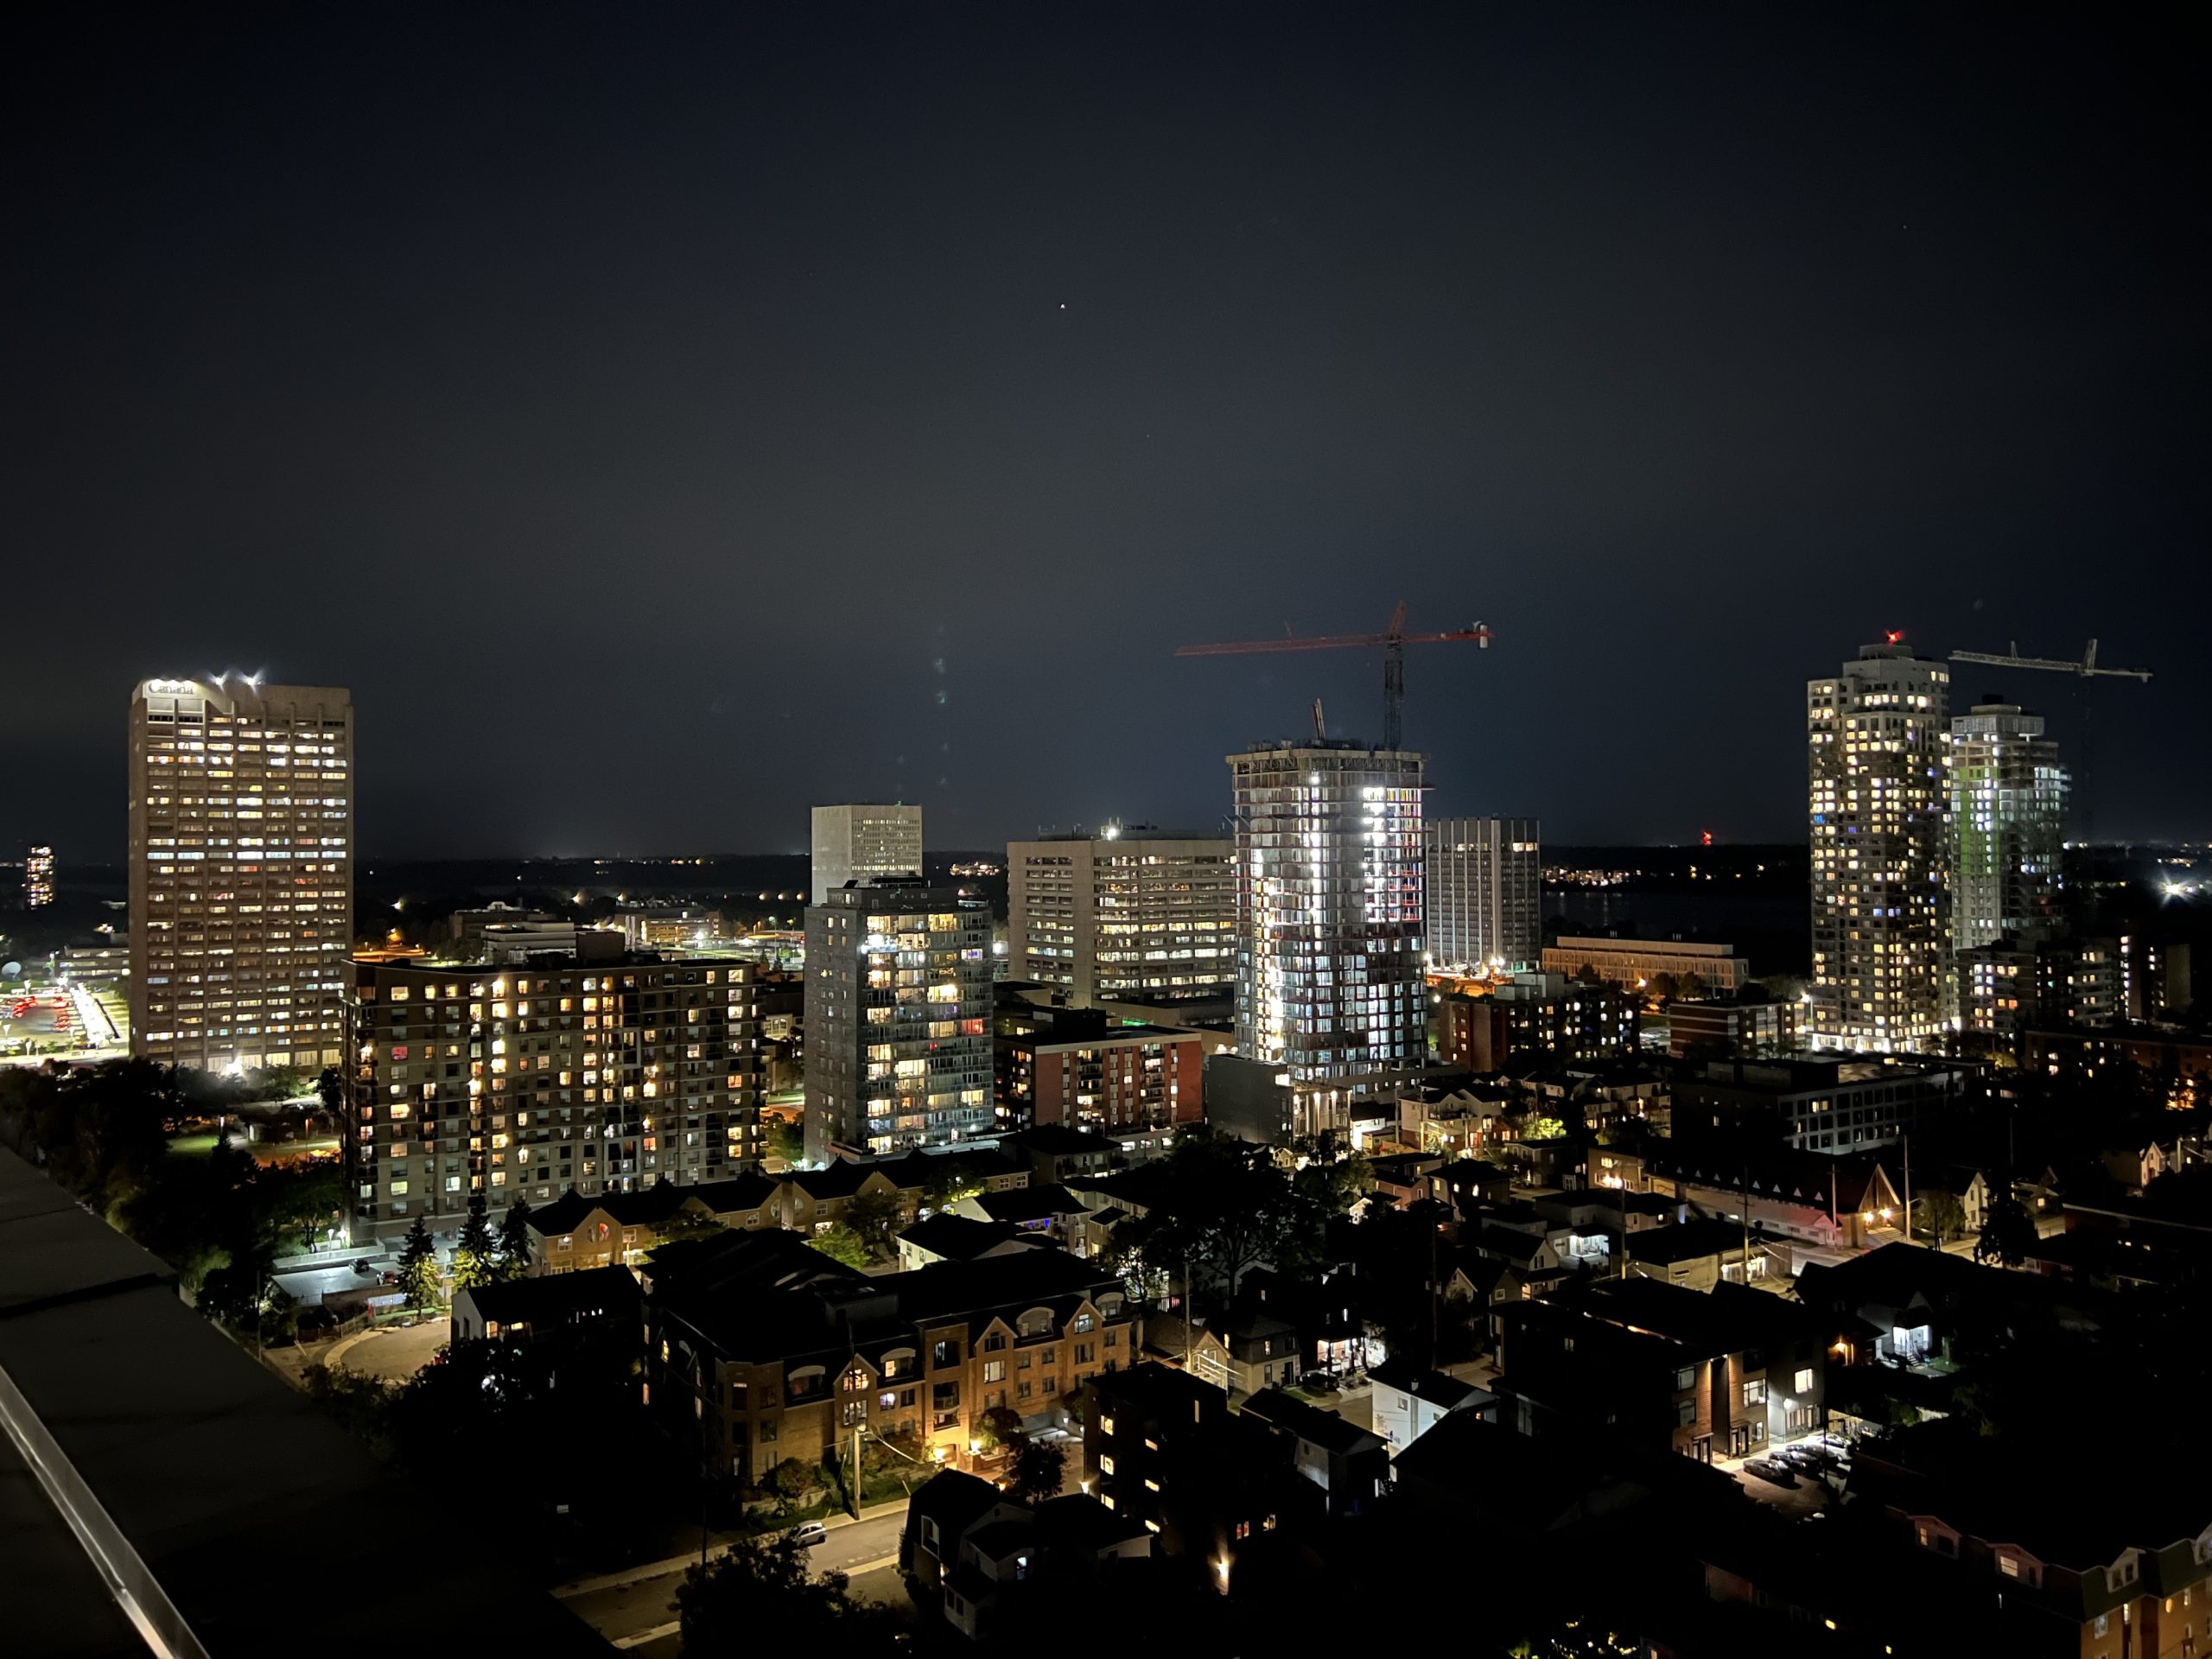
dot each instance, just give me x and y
(364, 1265)
(1767, 1470)
(811, 1533)
(1317, 1382)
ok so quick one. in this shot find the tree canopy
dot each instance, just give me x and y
(763, 1597)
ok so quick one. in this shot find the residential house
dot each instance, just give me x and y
(574, 1234)
(596, 1304)
(768, 1358)
(1699, 1254)
(1350, 1464)
(1163, 1447)
(1831, 1202)
(949, 1238)
(1044, 1211)
(1409, 1400)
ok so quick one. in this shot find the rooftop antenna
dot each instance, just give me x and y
(1320, 723)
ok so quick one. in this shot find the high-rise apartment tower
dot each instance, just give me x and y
(1330, 988)
(1486, 893)
(38, 878)
(2008, 827)
(1123, 917)
(898, 1019)
(1877, 745)
(858, 843)
(241, 872)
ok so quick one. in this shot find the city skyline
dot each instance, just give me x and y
(1508, 328)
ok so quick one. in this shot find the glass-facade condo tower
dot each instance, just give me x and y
(1876, 748)
(1329, 905)
(897, 1020)
(241, 872)
(2008, 827)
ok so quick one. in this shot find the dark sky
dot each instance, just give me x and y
(665, 418)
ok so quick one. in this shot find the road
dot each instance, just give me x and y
(637, 1609)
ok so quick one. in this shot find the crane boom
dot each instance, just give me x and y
(2086, 667)
(1393, 640)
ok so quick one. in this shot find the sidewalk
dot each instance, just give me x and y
(663, 1568)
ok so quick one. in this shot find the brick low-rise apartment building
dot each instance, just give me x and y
(770, 1351)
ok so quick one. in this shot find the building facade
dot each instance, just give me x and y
(38, 878)
(1330, 911)
(241, 872)
(1697, 968)
(1876, 737)
(2008, 827)
(1076, 1067)
(1130, 916)
(1486, 893)
(897, 1020)
(599, 1077)
(1535, 1013)
(859, 843)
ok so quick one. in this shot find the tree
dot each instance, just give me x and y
(690, 1222)
(418, 1267)
(1587, 973)
(785, 1138)
(1942, 1214)
(1224, 1206)
(1039, 1472)
(1692, 987)
(763, 1596)
(875, 1217)
(1664, 987)
(514, 1241)
(475, 1253)
(2008, 1232)
(1001, 1426)
(841, 1243)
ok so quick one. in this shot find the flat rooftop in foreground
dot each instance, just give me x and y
(251, 1509)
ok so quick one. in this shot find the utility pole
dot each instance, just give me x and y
(1906, 1142)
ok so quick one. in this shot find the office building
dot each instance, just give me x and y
(898, 1019)
(2008, 827)
(38, 878)
(1485, 894)
(1331, 994)
(241, 872)
(859, 843)
(1687, 968)
(1877, 734)
(606, 1076)
(1123, 916)
(1730, 1027)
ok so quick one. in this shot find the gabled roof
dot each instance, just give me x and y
(649, 1208)
(1779, 1174)
(959, 1238)
(1031, 1204)
(842, 1179)
(748, 1190)
(954, 1500)
(1433, 1388)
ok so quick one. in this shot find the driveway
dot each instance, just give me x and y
(390, 1353)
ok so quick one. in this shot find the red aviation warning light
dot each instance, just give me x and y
(1704, 839)
(1897, 636)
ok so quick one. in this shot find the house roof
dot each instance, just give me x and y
(1434, 1388)
(1310, 1423)
(1000, 1539)
(841, 1179)
(954, 1500)
(1030, 1203)
(958, 1238)
(1081, 1521)
(1686, 1241)
(1062, 1140)
(559, 1298)
(1779, 1174)
(656, 1203)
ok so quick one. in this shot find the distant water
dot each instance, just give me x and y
(1772, 929)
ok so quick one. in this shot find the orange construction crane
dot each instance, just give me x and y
(1394, 642)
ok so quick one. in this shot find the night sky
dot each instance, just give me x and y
(663, 419)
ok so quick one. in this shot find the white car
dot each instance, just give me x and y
(811, 1533)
